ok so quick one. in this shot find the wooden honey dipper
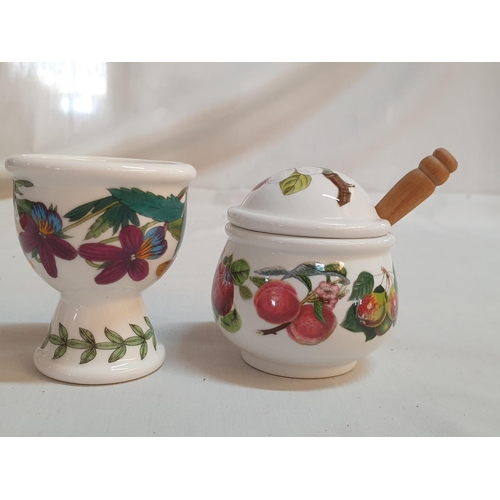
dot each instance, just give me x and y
(416, 186)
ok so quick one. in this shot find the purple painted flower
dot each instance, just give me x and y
(130, 258)
(42, 231)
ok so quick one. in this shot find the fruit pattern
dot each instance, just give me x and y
(310, 320)
(44, 236)
(375, 309)
(228, 275)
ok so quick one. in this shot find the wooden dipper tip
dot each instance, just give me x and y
(417, 185)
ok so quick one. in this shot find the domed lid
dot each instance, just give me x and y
(312, 201)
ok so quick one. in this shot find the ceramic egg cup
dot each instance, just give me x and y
(100, 231)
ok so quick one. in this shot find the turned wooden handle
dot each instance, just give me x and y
(416, 186)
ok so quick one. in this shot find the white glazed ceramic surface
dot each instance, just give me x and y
(303, 306)
(305, 202)
(100, 231)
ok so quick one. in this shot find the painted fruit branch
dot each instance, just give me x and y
(308, 321)
(343, 186)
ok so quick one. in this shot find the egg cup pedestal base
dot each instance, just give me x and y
(295, 371)
(99, 341)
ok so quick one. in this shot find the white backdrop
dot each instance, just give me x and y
(239, 122)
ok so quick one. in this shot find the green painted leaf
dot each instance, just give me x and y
(295, 183)
(113, 336)
(362, 286)
(316, 269)
(272, 271)
(240, 271)
(137, 330)
(154, 340)
(88, 355)
(148, 322)
(370, 333)
(101, 225)
(336, 267)
(117, 354)
(144, 350)
(79, 344)
(116, 216)
(379, 289)
(228, 260)
(63, 333)
(95, 206)
(148, 334)
(258, 282)
(304, 279)
(22, 182)
(24, 206)
(176, 227)
(149, 204)
(108, 346)
(103, 203)
(80, 212)
(87, 335)
(131, 341)
(56, 340)
(318, 312)
(60, 352)
(351, 322)
(231, 322)
(46, 340)
(245, 292)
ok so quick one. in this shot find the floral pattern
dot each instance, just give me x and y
(42, 237)
(43, 232)
(131, 258)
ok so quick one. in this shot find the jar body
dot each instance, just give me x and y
(304, 307)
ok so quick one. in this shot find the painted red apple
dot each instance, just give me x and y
(307, 329)
(371, 310)
(223, 290)
(277, 302)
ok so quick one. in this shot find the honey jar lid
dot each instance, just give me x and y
(313, 202)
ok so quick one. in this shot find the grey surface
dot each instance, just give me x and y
(436, 376)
